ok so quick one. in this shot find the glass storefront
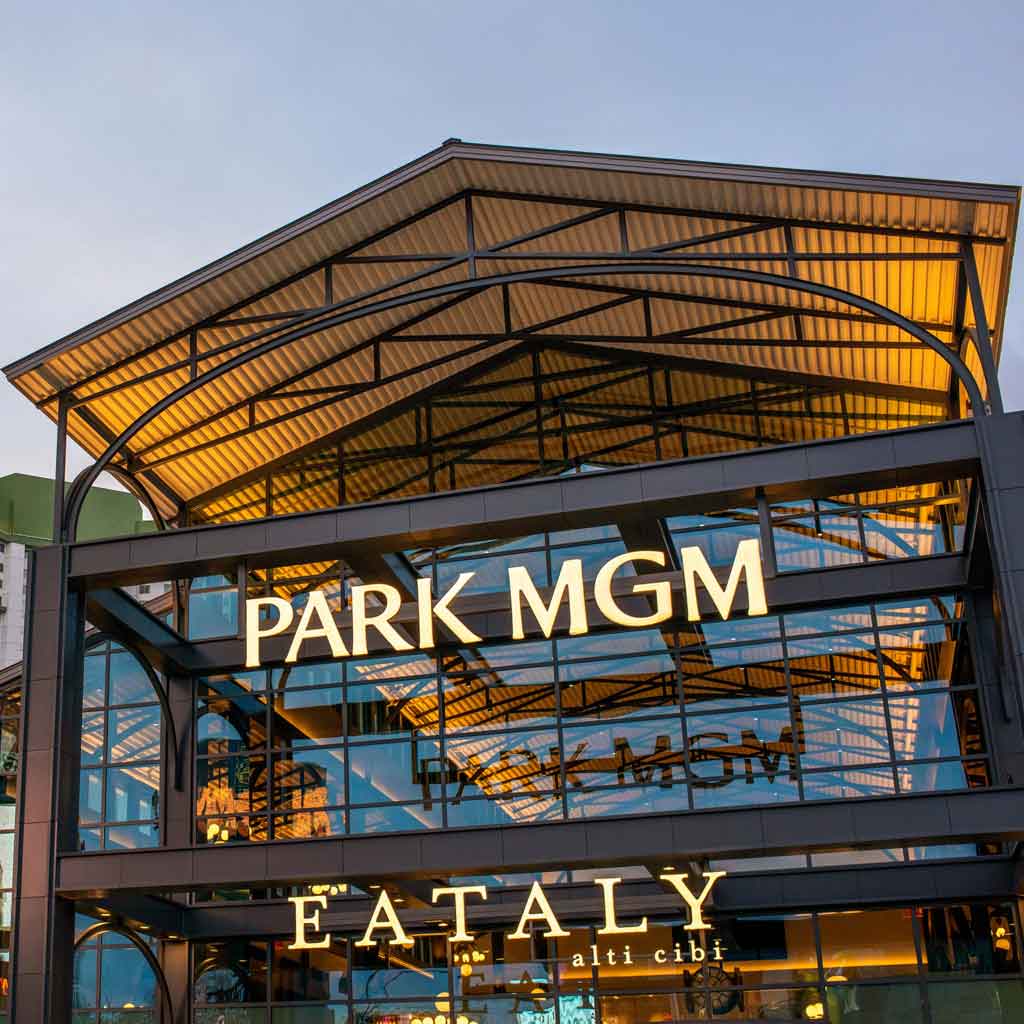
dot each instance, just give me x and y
(922, 964)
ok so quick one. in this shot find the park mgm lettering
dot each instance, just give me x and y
(317, 620)
(385, 925)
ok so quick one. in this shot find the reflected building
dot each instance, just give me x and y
(500, 365)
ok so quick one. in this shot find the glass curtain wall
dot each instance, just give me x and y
(119, 784)
(859, 700)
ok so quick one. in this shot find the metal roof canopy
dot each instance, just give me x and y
(471, 251)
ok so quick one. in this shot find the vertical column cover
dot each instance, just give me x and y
(48, 792)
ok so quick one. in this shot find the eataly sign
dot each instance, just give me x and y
(317, 619)
(536, 910)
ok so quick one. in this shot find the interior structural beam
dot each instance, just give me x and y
(818, 469)
(122, 617)
(909, 820)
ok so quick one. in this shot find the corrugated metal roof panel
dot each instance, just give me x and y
(701, 210)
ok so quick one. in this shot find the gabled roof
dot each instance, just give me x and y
(385, 293)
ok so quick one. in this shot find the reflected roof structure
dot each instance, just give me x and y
(776, 306)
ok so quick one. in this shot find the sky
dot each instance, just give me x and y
(140, 141)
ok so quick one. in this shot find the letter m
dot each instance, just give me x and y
(569, 584)
(746, 563)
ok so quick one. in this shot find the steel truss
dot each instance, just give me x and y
(687, 259)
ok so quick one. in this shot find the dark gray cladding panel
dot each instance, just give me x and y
(615, 495)
(992, 816)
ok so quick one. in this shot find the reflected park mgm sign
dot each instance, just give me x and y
(374, 605)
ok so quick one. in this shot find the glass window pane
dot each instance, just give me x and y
(380, 709)
(212, 613)
(395, 771)
(309, 779)
(394, 818)
(831, 666)
(84, 992)
(647, 754)
(515, 764)
(133, 794)
(853, 783)
(919, 657)
(744, 790)
(125, 977)
(90, 795)
(817, 542)
(132, 837)
(907, 532)
(129, 683)
(508, 811)
(867, 944)
(308, 718)
(500, 700)
(733, 744)
(491, 573)
(231, 971)
(983, 1002)
(967, 939)
(938, 776)
(903, 1003)
(226, 726)
(309, 974)
(384, 970)
(733, 677)
(842, 733)
(92, 737)
(228, 790)
(828, 620)
(94, 683)
(133, 734)
(924, 726)
(624, 687)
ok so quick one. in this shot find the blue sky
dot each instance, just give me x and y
(138, 143)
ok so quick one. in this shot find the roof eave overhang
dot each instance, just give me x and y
(456, 150)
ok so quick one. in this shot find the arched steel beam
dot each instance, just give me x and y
(85, 480)
(141, 494)
(103, 927)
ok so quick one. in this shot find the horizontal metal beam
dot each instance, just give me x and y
(819, 469)
(909, 820)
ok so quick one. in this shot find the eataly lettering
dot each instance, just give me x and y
(375, 605)
(385, 925)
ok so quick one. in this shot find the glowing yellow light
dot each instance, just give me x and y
(815, 1011)
(838, 976)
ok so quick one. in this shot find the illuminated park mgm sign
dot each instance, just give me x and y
(385, 926)
(374, 605)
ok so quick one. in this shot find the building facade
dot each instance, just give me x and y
(26, 521)
(594, 599)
